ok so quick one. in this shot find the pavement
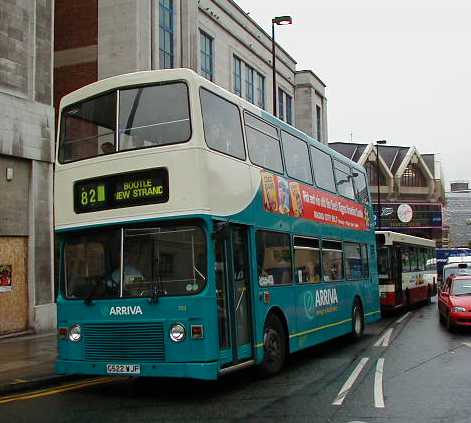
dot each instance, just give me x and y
(27, 362)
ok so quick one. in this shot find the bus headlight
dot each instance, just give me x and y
(177, 332)
(74, 333)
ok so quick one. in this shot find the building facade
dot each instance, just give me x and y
(458, 214)
(411, 188)
(26, 165)
(96, 39)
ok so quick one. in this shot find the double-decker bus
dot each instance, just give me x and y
(199, 234)
(407, 269)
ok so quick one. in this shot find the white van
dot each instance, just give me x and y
(457, 266)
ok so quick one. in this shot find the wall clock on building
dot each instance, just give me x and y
(404, 213)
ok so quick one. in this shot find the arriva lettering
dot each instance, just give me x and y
(125, 310)
(326, 297)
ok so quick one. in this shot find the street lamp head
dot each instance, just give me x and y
(381, 142)
(282, 20)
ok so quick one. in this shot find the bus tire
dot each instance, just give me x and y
(358, 320)
(274, 346)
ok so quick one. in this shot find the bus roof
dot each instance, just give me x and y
(167, 75)
(389, 238)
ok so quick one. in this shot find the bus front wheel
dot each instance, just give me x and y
(358, 322)
(274, 346)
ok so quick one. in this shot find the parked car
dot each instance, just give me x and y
(454, 302)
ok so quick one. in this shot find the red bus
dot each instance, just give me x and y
(407, 269)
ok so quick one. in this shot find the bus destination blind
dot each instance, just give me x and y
(123, 190)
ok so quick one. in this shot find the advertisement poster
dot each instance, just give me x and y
(5, 277)
(299, 200)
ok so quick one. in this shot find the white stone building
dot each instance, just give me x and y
(26, 165)
(216, 38)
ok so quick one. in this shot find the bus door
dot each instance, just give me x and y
(396, 272)
(233, 294)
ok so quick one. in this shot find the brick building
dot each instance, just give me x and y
(26, 165)
(95, 39)
(411, 187)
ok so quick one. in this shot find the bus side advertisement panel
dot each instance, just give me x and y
(300, 200)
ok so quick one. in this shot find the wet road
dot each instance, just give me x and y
(407, 368)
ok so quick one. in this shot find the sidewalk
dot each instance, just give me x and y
(27, 362)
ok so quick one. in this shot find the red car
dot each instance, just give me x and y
(454, 302)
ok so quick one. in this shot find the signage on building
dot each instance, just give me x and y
(405, 213)
(411, 215)
(5, 277)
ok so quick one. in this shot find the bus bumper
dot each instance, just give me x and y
(205, 371)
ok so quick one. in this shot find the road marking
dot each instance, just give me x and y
(350, 381)
(383, 341)
(401, 319)
(56, 390)
(379, 398)
(468, 344)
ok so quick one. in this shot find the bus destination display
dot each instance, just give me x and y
(124, 190)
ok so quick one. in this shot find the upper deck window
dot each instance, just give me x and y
(344, 180)
(323, 172)
(88, 129)
(222, 125)
(263, 143)
(154, 115)
(148, 116)
(296, 158)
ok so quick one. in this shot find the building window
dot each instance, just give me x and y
(260, 91)
(237, 76)
(413, 176)
(289, 109)
(249, 84)
(281, 109)
(372, 172)
(318, 123)
(206, 52)
(166, 34)
(285, 106)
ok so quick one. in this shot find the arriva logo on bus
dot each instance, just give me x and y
(323, 298)
(125, 310)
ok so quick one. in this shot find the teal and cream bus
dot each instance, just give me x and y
(199, 234)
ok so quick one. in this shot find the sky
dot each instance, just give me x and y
(398, 70)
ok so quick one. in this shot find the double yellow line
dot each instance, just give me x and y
(57, 390)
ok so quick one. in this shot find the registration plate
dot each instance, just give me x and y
(123, 369)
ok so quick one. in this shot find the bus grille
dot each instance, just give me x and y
(124, 342)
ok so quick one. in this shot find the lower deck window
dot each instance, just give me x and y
(332, 261)
(273, 258)
(307, 260)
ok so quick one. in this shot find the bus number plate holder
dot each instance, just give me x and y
(123, 369)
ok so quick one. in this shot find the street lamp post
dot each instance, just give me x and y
(378, 143)
(278, 20)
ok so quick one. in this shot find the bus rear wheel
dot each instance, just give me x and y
(274, 346)
(358, 322)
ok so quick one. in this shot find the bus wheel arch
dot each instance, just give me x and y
(275, 342)
(358, 318)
